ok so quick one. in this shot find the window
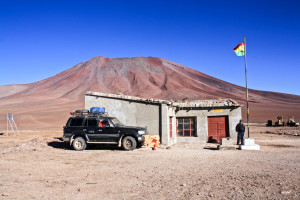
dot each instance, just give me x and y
(76, 122)
(186, 126)
(104, 123)
(92, 122)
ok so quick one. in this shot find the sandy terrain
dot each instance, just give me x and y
(37, 165)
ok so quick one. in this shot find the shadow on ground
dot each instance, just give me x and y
(211, 148)
(62, 145)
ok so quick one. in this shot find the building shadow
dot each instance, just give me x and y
(217, 148)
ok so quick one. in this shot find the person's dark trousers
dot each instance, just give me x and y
(240, 138)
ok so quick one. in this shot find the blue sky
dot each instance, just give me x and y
(39, 39)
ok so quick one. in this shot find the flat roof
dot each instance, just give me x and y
(210, 103)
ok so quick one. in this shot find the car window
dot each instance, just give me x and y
(68, 121)
(76, 122)
(104, 123)
(92, 122)
(116, 122)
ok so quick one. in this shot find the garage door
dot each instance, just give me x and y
(217, 128)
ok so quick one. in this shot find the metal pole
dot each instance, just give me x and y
(246, 87)
(7, 124)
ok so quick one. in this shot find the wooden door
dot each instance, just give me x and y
(218, 128)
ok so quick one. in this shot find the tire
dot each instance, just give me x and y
(128, 143)
(79, 144)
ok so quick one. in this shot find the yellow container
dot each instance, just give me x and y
(150, 140)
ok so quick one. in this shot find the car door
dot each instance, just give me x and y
(92, 129)
(108, 132)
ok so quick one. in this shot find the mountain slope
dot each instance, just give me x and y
(46, 103)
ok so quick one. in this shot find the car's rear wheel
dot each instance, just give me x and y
(128, 143)
(79, 144)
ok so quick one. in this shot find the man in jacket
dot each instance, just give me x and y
(240, 128)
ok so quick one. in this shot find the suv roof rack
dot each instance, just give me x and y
(89, 114)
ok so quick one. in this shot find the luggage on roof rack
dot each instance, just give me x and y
(80, 112)
(97, 110)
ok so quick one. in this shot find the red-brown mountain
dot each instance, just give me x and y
(47, 103)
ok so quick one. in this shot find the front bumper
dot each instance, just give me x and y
(141, 138)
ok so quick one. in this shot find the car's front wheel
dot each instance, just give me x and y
(128, 143)
(79, 144)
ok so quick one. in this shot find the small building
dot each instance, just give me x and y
(173, 121)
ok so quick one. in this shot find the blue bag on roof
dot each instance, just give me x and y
(97, 110)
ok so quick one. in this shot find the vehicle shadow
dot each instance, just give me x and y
(59, 145)
(62, 145)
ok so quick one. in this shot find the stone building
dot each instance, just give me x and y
(173, 121)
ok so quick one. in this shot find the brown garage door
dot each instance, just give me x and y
(217, 128)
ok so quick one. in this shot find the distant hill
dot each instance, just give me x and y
(47, 103)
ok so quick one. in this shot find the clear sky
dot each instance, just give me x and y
(39, 39)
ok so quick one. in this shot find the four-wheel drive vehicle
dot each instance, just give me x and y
(82, 130)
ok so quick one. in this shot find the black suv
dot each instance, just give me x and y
(82, 130)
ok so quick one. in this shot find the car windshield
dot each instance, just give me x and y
(116, 122)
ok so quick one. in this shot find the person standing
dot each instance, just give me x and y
(240, 128)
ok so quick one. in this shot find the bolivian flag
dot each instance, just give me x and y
(240, 49)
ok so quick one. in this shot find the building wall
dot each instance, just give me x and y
(128, 112)
(234, 115)
(156, 117)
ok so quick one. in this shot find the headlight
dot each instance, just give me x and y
(141, 132)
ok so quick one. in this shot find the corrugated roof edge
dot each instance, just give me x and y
(195, 103)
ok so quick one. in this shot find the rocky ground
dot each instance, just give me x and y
(37, 165)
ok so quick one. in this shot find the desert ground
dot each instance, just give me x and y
(37, 165)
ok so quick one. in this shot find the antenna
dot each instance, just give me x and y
(11, 127)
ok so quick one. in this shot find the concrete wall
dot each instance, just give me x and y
(128, 112)
(156, 117)
(234, 115)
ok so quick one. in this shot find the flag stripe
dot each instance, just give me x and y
(241, 44)
(240, 49)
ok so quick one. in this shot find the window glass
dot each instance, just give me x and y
(68, 121)
(186, 120)
(92, 123)
(180, 126)
(193, 133)
(116, 122)
(186, 132)
(104, 123)
(76, 122)
(180, 133)
(186, 126)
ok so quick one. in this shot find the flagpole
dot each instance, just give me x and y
(246, 87)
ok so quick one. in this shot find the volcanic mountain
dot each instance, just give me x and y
(46, 103)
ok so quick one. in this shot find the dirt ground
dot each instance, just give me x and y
(37, 165)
